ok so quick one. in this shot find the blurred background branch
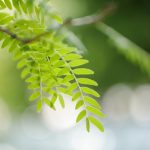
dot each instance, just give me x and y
(93, 19)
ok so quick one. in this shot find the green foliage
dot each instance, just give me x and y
(50, 66)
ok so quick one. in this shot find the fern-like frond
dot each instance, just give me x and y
(49, 66)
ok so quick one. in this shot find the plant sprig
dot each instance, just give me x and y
(49, 66)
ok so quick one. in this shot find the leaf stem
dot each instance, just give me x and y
(75, 78)
(41, 86)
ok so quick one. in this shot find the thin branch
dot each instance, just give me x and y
(11, 34)
(92, 19)
(27, 41)
(87, 20)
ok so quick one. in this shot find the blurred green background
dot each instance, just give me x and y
(124, 87)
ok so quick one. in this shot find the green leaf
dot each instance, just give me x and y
(81, 115)
(23, 6)
(37, 11)
(76, 96)
(2, 5)
(59, 63)
(90, 91)
(52, 106)
(5, 18)
(78, 62)
(22, 63)
(8, 4)
(87, 81)
(39, 106)
(96, 123)
(83, 71)
(3, 15)
(53, 99)
(63, 71)
(61, 101)
(65, 84)
(95, 111)
(34, 86)
(65, 91)
(72, 87)
(25, 72)
(30, 5)
(87, 125)
(2, 36)
(34, 96)
(55, 58)
(67, 50)
(6, 42)
(72, 57)
(68, 78)
(13, 46)
(46, 101)
(79, 104)
(17, 54)
(32, 79)
(92, 102)
(16, 4)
